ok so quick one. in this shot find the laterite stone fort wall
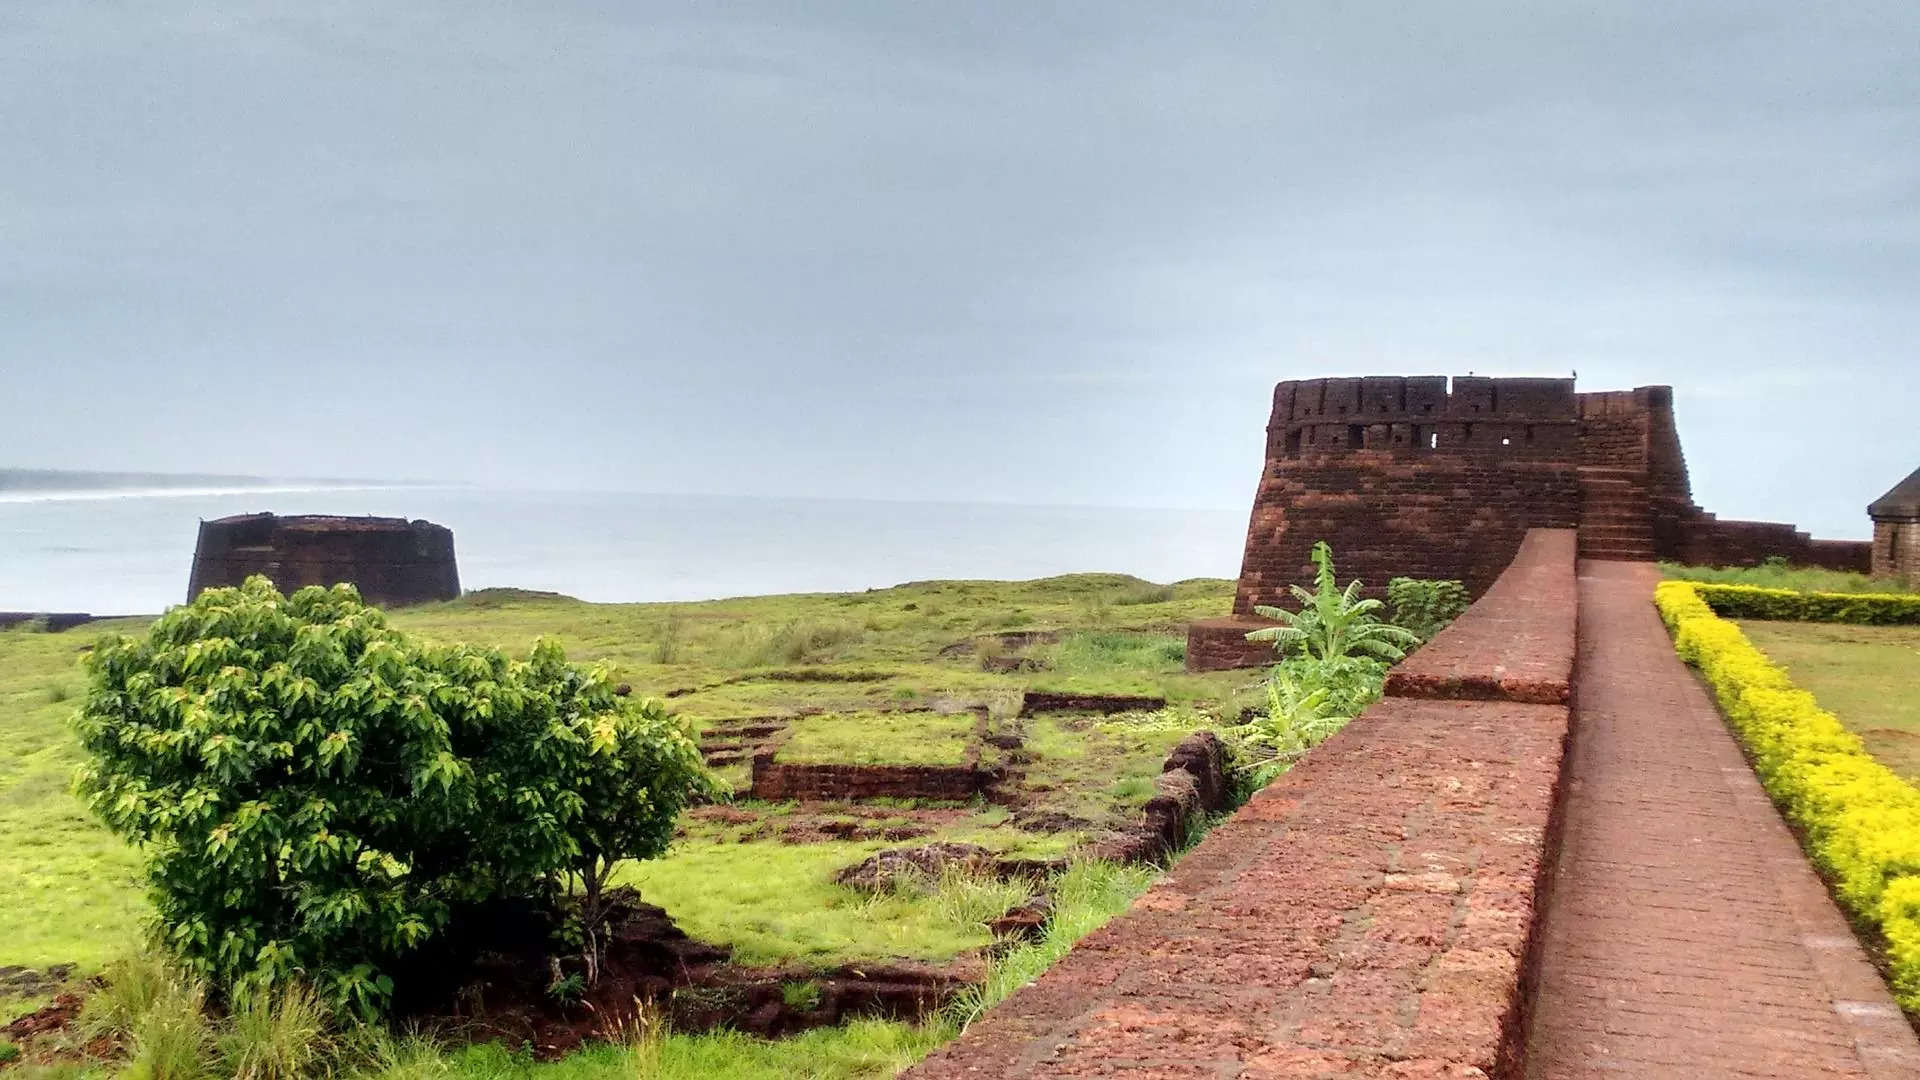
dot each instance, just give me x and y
(392, 561)
(1423, 476)
(1372, 913)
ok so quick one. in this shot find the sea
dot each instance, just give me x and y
(126, 552)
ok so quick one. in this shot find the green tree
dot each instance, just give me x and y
(315, 792)
(1333, 623)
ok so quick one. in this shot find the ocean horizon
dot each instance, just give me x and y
(128, 551)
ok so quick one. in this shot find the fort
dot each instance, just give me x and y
(1425, 476)
(392, 561)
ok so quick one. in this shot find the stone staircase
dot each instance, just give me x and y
(1616, 519)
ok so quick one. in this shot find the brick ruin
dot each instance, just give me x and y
(1896, 532)
(1422, 476)
(392, 561)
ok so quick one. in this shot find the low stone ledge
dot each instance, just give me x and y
(1516, 643)
(777, 781)
(1194, 782)
(1035, 702)
(1221, 644)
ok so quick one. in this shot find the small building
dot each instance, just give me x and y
(1896, 532)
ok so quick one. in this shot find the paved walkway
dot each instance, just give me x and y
(1686, 934)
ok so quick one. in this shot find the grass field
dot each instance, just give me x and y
(1865, 675)
(870, 738)
(857, 677)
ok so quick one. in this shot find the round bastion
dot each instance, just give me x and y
(392, 561)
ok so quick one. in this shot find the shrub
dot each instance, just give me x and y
(1425, 606)
(1752, 602)
(315, 792)
(1859, 821)
(1308, 700)
(1333, 623)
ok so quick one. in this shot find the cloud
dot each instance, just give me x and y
(854, 250)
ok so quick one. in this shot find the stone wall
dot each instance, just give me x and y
(1426, 477)
(777, 781)
(1896, 551)
(1374, 912)
(1705, 540)
(1388, 514)
(1417, 476)
(392, 561)
(1220, 644)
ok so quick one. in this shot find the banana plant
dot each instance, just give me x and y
(1332, 622)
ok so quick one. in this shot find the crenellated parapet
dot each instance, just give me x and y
(1420, 414)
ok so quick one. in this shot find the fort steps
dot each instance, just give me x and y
(1616, 518)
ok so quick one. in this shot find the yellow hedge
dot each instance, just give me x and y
(1860, 820)
(1753, 602)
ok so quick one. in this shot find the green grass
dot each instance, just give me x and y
(1100, 770)
(1775, 575)
(69, 891)
(776, 903)
(870, 738)
(1084, 897)
(860, 1050)
(1865, 675)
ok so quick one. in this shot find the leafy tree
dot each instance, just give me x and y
(1333, 623)
(315, 791)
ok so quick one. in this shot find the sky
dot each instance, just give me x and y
(1022, 252)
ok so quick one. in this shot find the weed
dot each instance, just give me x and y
(379, 1054)
(1085, 896)
(667, 649)
(1143, 593)
(804, 995)
(967, 899)
(57, 693)
(133, 984)
(1424, 606)
(567, 989)
(797, 641)
(8, 1052)
(273, 1035)
(172, 1039)
(1108, 653)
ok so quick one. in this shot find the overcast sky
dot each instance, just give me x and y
(1023, 252)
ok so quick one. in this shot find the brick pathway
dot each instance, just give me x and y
(1686, 934)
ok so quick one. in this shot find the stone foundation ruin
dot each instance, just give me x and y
(1428, 477)
(392, 561)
